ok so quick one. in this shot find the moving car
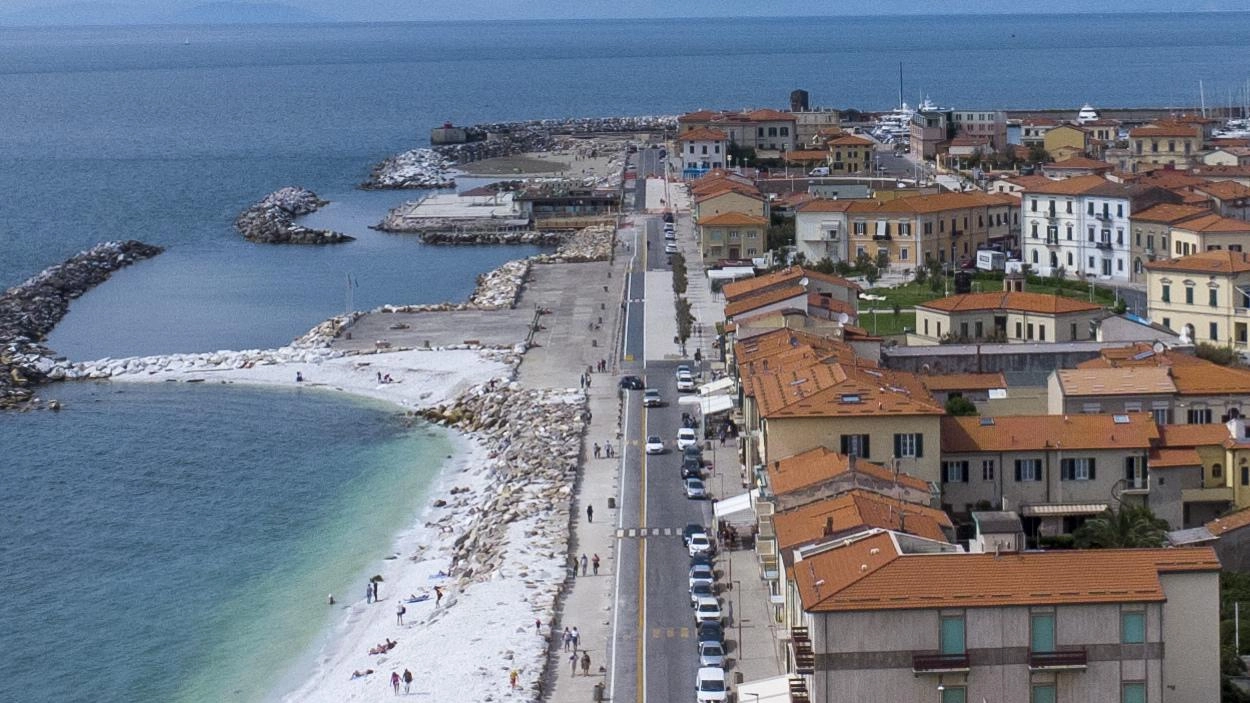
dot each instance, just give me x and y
(711, 654)
(700, 543)
(701, 590)
(695, 489)
(631, 383)
(651, 398)
(655, 445)
(702, 573)
(707, 610)
(686, 438)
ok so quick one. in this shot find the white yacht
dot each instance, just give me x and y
(1086, 114)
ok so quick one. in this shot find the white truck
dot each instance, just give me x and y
(990, 260)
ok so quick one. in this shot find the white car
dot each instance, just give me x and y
(686, 438)
(651, 398)
(702, 573)
(685, 384)
(670, 248)
(709, 685)
(670, 235)
(682, 370)
(699, 544)
(655, 445)
(707, 610)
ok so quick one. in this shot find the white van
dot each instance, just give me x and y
(819, 171)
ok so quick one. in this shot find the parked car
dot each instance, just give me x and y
(655, 445)
(701, 590)
(668, 217)
(651, 398)
(700, 543)
(691, 468)
(682, 370)
(707, 610)
(686, 438)
(685, 384)
(670, 248)
(695, 490)
(670, 235)
(711, 632)
(703, 558)
(702, 573)
(690, 529)
(692, 453)
(711, 654)
(631, 383)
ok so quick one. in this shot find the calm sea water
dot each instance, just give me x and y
(167, 543)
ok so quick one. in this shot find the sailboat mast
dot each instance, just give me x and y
(900, 83)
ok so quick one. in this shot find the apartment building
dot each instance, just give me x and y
(1152, 231)
(1205, 295)
(1164, 144)
(1076, 166)
(820, 230)
(931, 130)
(808, 124)
(769, 132)
(1209, 232)
(1080, 226)
(850, 154)
(1054, 470)
(1033, 130)
(1005, 316)
(1228, 198)
(893, 617)
(1066, 140)
(809, 280)
(702, 150)
(727, 196)
(733, 236)
(820, 473)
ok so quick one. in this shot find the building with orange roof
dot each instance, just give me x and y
(1206, 296)
(1053, 469)
(974, 387)
(1210, 231)
(820, 473)
(1227, 156)
(1241, 174)
(1174, 144)
(769, 132)
(813, 281)
(1076, 166)
(1033, 129)
(894, 617)
(832, 518)
(788, 297)
(702, 149)
(1231, 539)
(1152, 229)
(729, 197)
(732, 235)
(1006, 316)
(1066, 138)
(1230, 198)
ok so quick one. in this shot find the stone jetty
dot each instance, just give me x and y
(30, 310)
(272, 219)
(490, 236)
(419, 168)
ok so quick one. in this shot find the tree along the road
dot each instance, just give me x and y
(685, 321)
(1130, 526)
(679, 274)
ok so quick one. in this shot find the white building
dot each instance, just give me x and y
(820, 230)
(702, 150)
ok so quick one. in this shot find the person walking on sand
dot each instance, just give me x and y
(438, 595)
(512, 677)
(585, 663)
(399, 613)
(590, 513)
(369, 592)
(596, 450)
(594, 562)
(395, 681)
(573, 663)
(568, 639)
(584, 562)
(377, 588)
(538, 626)
(407, 680)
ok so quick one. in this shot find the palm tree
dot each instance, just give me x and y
(1130, 526)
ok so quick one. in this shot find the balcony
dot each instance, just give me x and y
(1052, 241)
(930, 663)
(1057, 661)
(881, 237)
(956, 233)
(798, 691)
(1103, 244)
(1104, 216)
(801, 648)
(1137, 485)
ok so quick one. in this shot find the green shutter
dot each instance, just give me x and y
(1133, 693)
(952, 634)
(1044, 693)
(1042, 632)
(1133, 627)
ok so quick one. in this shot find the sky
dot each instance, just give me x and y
(89, 11)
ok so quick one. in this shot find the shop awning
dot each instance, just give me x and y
(713, 404)
(738, 507)
(720, 384)
(774, 690)
(1063, 509)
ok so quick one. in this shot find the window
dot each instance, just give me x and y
(1091, 408)
(1217, 471)
(1213, 297)
(1166, 293)
(1213, 329)
(1019, 327)
(980, 328)
(1089, 236)
(904, 229)
(855, 445)
(1042, 632)
(1041, 333)
(1077, 469)
(1132, 627)
(951, 634)
(1069, 208)
(1069, 233)
(705, 148)
(1119, 210)
(1042, 693)
(861, 228)
(1189, 295)
(1161, 412)
(1029, 329)
(1245, 475)
(1072, 331)
(1135, 475)
(1133, 692)
(1028, 469)
(902, 254)
(716, 148)
(954, 472)
(926, 327)
(909, 444)
(954, 694)
(987, 469)
(1198, 416)
(1033, 203)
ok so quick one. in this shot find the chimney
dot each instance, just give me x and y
(828, 526)
(850, 462)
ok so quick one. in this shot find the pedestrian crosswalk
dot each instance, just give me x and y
(668, 633)
(643, 532)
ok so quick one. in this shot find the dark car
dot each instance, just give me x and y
(691, 468)
(631, 383)
(691, 529)
(711, 632)
(704, 559)
(692, 453)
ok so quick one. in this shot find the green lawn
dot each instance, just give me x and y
(887, 322)
(908, 295)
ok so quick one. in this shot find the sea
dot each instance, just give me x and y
(175, 543)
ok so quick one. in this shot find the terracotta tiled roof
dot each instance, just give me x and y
(771, 343)
(794, 199)
(1214, 223)
(1188, 374)
(1222, 171)
(1087, 382)
(841, 390)
(1077, 185)
(1041, 432)
(1039, 122)
(1164, 130)
(1220, 261)
(818, 465)
(767, 297)
(1177, 436)
(767, 115)
(963, 381)
(702, 134)
(726, 188)
(1230, 522)
(697, 116)
(873, 574)
(855, 511)
(786, 276)
(806, 155)
(1167, 213)
(1037, 303)
(849, 140)
(1079, 162)
(1174, 458)
(733, 219)
(1225, 190)
(826, 302)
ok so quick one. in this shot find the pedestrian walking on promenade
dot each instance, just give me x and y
(590, 513)
(594, 561)
(584, 561)
(568, 639)
(596, 450)
(395, 681)
(585, 663)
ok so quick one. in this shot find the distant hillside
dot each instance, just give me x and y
(94, 13)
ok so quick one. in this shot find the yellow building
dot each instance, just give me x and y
(850, 154)
(1164, 144)
(1065, 139)
(1207, 233)
(1005, 316)
(1206, 296)
(945, 227)
(732, 235)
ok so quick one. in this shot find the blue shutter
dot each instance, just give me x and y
(920, 448)
(898, 445)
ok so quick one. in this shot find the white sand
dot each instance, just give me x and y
(464, 648)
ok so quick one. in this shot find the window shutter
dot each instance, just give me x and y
(1128, 469)
(846, 440)
(1065, 469)
(898, 445)
(920, 450)
(863, 446)
(1092, 463)
(966, 472)
(1018, 470)
(945, 472)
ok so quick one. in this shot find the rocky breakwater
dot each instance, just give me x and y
(587, 244)
(29, 311)
(419, 168)
(272, 219)
(520, 518)
(494, 139)
(204, 361)
(489, 236)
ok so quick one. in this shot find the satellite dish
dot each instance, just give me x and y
(1159, 347)
(843, 318)
(803, 281)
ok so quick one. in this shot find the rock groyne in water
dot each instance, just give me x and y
(29, 311)
(418, 168)
(272, 219)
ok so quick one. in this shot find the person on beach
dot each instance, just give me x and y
(399, 613)
(573, 663)
(369, 592)
(596, 450)
(584, 562)
(538, 626)
(330, 598)
(438, 595)
(568, 639)
(377, 595)
(594, 562)
(407, 680)
(585, 663)
(395, 681)
(590, 513)
(512, 677)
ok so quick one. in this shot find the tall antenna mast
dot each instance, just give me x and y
(900, 83)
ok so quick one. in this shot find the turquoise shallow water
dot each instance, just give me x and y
(180, 546)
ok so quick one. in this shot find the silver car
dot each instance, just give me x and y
(711, 654)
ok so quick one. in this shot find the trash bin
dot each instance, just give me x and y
(598, 693)
(611, 502)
